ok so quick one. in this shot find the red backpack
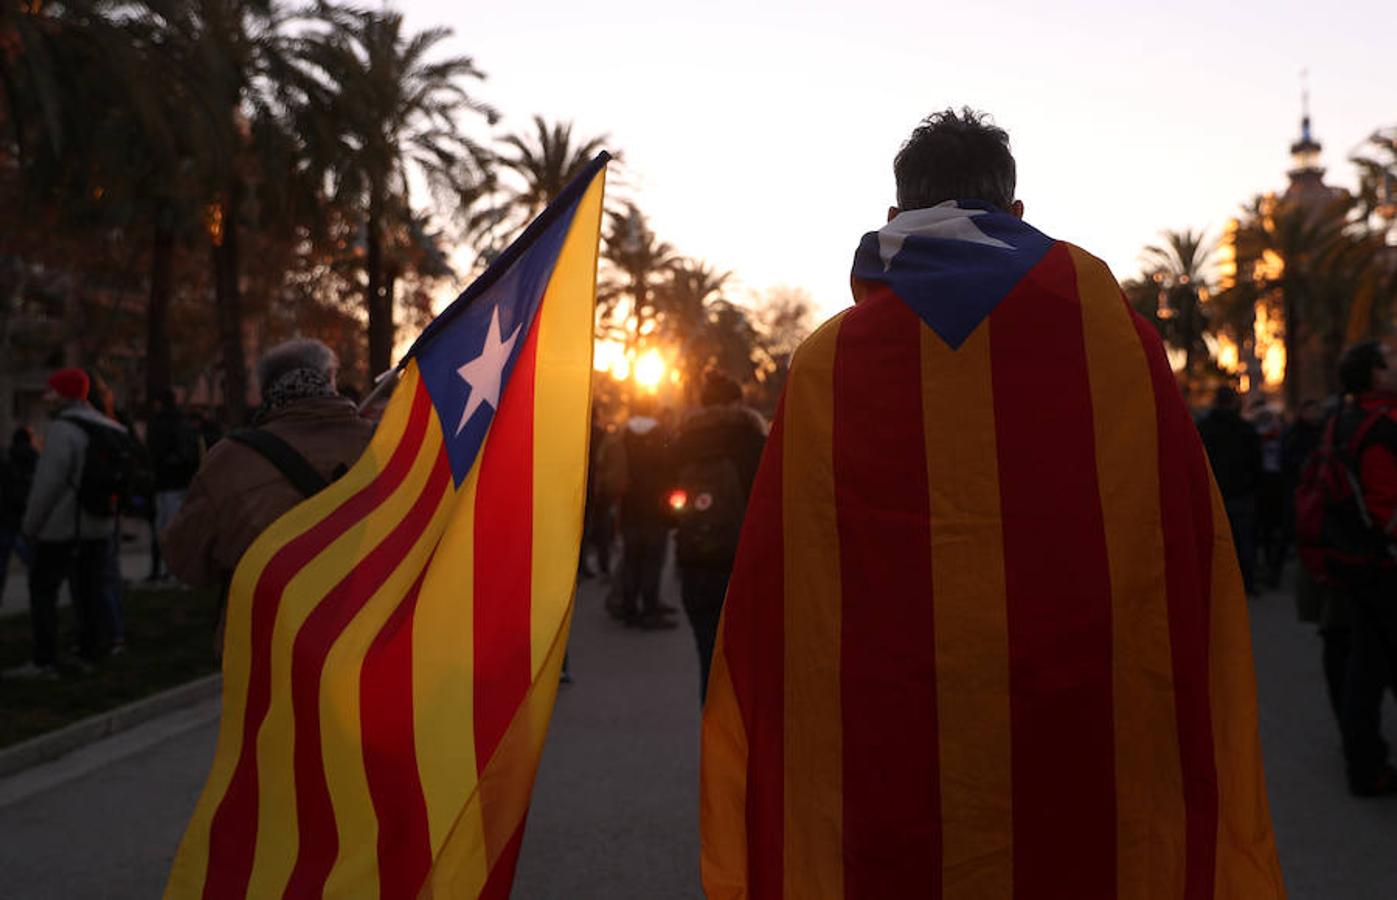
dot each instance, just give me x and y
(1334, 534)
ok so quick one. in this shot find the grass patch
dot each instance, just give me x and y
(169, 641)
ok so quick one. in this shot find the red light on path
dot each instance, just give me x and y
(678, 499)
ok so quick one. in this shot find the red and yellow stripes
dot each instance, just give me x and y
(385, 697)
(977, 643)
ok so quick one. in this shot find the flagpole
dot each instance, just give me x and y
(383, 384)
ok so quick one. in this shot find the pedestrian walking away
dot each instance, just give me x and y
(716, 456)
(985, 628)
(1367, 575)
(175, 448)
(642, 466)
(1234, 450)
(70, 517)
(16, 478)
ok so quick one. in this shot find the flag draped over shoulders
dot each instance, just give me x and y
(985, 636)
(393, 643)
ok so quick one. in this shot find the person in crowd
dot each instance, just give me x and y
(210, 431)
(1368, 374)
(16, 478)
(640, 470)
(715, 457)
(103, 399)
(1270, 493)
(596, 504)
(1234, 449)
(1316, 603)
(71, 540)
(984, 629)
(246, 484)
(175, 447)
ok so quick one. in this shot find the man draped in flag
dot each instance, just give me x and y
(393, 644)
(985, 636)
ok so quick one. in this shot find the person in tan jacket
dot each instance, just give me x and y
(238, 491)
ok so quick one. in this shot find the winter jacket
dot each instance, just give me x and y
(52, 513)
(649, 473)
(237, 492)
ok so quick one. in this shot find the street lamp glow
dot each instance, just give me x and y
(649, 370)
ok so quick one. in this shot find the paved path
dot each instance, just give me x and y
(615, 807)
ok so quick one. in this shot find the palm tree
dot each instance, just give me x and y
(215, 60)
(640, 261)
(378, 109)
(103, 131)
(543, 163)
(685, 304)
(1317, 266)
(1377, 178)
(1178, 272)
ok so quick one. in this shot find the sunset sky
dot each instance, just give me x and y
(760, 136)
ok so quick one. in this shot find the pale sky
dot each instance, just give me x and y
(760, 136)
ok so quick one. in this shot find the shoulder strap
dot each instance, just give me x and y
(285, 457)
(1361, 436)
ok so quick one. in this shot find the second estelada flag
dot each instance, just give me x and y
(985, 637)
(393, 644)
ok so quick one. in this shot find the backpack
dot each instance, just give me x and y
(1335, 536)
(108, 469)
(710, 509)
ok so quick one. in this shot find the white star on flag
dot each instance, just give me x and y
(483, 373)
(945, 220)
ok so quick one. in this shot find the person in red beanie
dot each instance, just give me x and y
(70, 384)
(68, 532)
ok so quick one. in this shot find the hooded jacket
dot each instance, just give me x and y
(52, 512)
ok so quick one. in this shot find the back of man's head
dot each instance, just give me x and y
(1357, 364)
(1226, 398)
(719, 389)
(955, 156)
(301, 353)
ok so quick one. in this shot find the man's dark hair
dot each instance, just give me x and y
(955, 156)
(1357, 364)
(1226, 398)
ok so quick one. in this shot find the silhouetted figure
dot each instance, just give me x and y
(16, 477)
(716, 456)
(1234, 449)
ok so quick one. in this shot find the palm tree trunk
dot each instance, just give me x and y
(1292, 349)
(162, 260)
(228, 307)
(380, 307)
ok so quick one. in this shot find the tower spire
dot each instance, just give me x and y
(1305, 106)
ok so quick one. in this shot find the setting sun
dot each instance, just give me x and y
(649, 370)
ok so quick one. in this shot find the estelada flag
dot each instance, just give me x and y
(986, 636)
(393, 643)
